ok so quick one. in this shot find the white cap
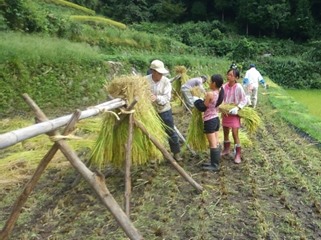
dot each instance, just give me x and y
(158, 66)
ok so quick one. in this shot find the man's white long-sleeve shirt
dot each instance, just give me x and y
(162, 89)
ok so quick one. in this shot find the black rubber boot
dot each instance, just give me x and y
(215, 160)
(219, 147)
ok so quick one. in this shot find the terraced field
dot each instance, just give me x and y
(275, 193)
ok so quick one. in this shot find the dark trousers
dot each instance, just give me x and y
(173, 140)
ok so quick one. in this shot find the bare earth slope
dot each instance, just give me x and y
(274, 193)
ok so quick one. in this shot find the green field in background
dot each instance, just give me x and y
(310, 98)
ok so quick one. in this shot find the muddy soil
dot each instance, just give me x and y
(274, 193)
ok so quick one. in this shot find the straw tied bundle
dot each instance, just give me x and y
(196, 137)
(184, 77)
(250, 117)
(110, 143)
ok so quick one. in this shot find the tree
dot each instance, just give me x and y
(247, 13)
(166, 11)
(303, 20)
(222, 5)
(126, 11)
(198, 11)
(276, 14)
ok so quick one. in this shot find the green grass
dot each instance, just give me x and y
(294, 112)
(42, 49)
(310, 98)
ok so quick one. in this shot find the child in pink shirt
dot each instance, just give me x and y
(211, 120)
(233, 94)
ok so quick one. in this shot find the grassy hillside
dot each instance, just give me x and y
(58, 73)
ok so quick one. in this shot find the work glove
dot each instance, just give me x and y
(234, 111)
(265, 86)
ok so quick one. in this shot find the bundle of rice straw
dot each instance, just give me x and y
(110, 143)
(196, 137)
(250, 117)
(177, 84)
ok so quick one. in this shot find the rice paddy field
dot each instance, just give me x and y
(275, 193)
(310, 98)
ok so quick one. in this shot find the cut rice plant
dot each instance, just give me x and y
(197, 92)
(196, 137)
(24, 157)
(110, 144)
(183, 71)
(177, 84)
(251, 119)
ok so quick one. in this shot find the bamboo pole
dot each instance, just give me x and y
(168, 156)
(21, 200)
(13, 137)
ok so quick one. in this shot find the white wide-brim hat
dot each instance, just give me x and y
(158, 66)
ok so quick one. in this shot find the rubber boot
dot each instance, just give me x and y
(238, 153)
(215, 154)
(219, 147)
(226, 150)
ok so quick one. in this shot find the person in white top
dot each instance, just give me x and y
(251, 84)
(186, 89)
(160, 96)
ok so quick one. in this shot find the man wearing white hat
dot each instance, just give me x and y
(161, 89)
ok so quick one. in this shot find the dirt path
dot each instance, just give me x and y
(274, 194)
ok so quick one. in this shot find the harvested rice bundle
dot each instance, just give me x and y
(183, 71)
(196, 137)
(177, 84)
(197, 92)
(110, 143)
(184, 77)
(250, 117)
